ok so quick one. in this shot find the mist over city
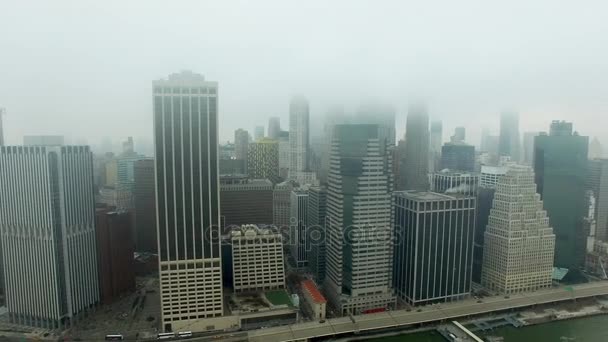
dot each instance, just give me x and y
(303, 170)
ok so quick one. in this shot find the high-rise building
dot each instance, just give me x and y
(263, 160)
(47, 227)
(519, 243)
(274, 127)
(128, 147)
(334, 117)
(508, 143)
(284, 152)
(257, 259)
(489, 146)
(317, 212)
(417, 149)
(459, 135)
(435, 146)
(378, 114)
(1, 127)
(258, 133)
(281, 204)
(43, 140)
(454, 182)
(458, 156)
(528, 157)
(359, 255)
(596, 150)
(298, 228)
(114, 253)
(144, 200)
(434, 246)
(597, 181)
(560, 166)
(399, 163)
(298, 136)
(241, 144)
(245, 200)
(187, 202)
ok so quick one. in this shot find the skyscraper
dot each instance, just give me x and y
(458, 156)
(528, 157)
(597, 181)
(459, 135)
(417, 149)
(317, 212)
(434, 246)
(298, 233)
(258, 133)
(435, 146)
(187, 188)
(298, 136)
(519, 243)
(595, 149)
(359, 255)
(47, 227)
(263, 160)
(145, 206)
(241, 144)
(281, 204)
(274, 127)
(560, 166)
(508, 143)
(1, 127)
(245, 201)
(284, 153)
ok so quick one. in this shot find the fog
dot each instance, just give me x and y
(84, 69)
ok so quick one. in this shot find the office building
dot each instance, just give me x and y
(263, 160)
(47, 226)
(258, 133)
(317, 213)
(298, 224)
(528, 157)
(560, 166)
(597, 182)
(459, 135)
(241, 144)
(232, 166)
(144, 200)
(114, 253)
(284, 153)
(519, 243)
(1, 127)
(187, 188)
(245, 201)
(508, 143)
(227, 151)
(596, 151)
(379, 114)
(298, 136)
(274, 127)
(454, 182)
(458, 156)
(415, 172)
(43, 140)
(314, 300)
(281, 204)
(257, 259)
(435, 146)
(359, 255)
(434, 247)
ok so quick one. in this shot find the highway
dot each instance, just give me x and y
(444, 311)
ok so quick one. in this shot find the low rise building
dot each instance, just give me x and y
(314, 299)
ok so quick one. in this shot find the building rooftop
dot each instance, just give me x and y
(427, 195)
(310, 287)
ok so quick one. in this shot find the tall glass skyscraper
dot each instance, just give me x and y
(359, 253)
(509, 143)
(187, 188)
(415, 172)
(560, 166)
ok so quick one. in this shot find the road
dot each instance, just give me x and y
(402, 318)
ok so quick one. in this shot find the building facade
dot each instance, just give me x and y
(597, 182)
(187, 188)
(298, 228)
(245, 201)
(258, 133)
(263, 160)
(241, 144)
(145, 206)
(284, 154)
(416, 169)
(519, 243)
(454, 182)
(281, 204)
(274, 127)
(47, 227)
(458, 156)
(298, 136)
(435, 146)
(508, 141)
(434, 246)
(317, 213)
(359, 253)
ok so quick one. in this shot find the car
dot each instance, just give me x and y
(480, 301)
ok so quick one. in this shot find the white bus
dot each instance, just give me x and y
(114, 337)
(165, 336)
(182, 334)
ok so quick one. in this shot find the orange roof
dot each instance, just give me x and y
(310, 287)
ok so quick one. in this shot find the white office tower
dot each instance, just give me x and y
(257, 259)
(519, 244)
(359, 252)
(299, 142)
(187, 202)
(47, 227)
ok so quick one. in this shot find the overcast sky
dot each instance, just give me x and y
(84, 68)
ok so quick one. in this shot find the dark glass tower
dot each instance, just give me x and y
(560, 165)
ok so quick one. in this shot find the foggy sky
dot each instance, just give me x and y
(84, 69)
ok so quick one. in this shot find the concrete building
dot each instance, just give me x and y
(317, 213)
(454, 182)
(434, 248)
(415, 172)
(274, 127)
(359, 255)
(144, 200)
(114, 253)
(560, 166)
(245, 201)
(519, 243)
(263, 160)
(314, 299)
(281, 204)
(284, 153)
(435, 146)
(597, 182)
(458, 156)
(187, 188)
(258, 133)
(47, 228)
(298, 136)
(241, 144)
(257, 259)
(298, 227)
(459, 135)
(509, 143)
